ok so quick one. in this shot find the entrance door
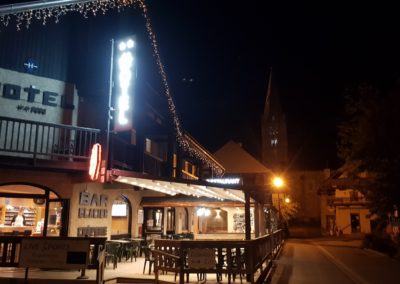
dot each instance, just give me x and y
(56, 223)
(355, 223)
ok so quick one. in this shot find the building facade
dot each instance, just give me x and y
(73, 174)
(344, 209)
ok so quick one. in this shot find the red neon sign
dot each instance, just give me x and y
(95, 162)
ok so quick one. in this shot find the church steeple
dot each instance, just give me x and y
(274, 143)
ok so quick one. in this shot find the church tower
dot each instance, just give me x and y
(274, 145)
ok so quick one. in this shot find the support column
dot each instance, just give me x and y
(247, 215)
(263, 221)
(256, 220)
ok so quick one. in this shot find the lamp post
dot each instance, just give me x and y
(278, 183)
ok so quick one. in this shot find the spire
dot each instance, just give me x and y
(267, 105)
(273, 129)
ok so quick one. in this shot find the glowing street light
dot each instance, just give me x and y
(278, 183)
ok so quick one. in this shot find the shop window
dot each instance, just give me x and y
(212, 221)
(154, 220)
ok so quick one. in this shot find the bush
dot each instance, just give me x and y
(380, 243)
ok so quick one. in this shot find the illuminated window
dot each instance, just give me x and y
(174, 163)
(212, 220)
(274, 142)
(189, 170)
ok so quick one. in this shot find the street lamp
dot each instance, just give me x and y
(278, 183)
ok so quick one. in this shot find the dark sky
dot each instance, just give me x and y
(315, 51)
(218, 55)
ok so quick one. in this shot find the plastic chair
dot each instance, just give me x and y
(112, 251)
(132, 250)
(148, 257)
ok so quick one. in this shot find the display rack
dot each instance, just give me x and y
(29, 214)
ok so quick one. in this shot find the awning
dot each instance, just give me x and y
(187, 187)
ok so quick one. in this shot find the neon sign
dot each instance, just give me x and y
(95, 162)
(224, 180)
(125, 78)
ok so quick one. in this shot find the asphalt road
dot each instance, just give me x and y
(325, 261)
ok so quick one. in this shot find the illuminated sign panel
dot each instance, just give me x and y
(95, 161)
(228, 180)
(124, 79)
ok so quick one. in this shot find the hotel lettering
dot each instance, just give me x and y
(32, 95)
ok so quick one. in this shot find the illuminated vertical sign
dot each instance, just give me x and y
(124, 79)
(95, 161)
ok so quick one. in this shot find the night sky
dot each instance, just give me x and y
(314, 51)
(218, 55)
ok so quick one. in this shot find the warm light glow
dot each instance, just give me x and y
(203, 212)
(95, 160)
(287, 200)
(277, 182)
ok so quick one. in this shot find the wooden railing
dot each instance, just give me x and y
(250, 259)
(40, 140)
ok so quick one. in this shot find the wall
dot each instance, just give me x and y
(303, 189)
(343, 221)
(134, 198)
(60, 183)
(54, 114)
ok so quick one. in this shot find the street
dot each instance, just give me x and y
(333, 261)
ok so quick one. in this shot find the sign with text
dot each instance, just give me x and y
(54, 253)
(199, 258)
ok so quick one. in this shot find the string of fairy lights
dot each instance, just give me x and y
(95, 7)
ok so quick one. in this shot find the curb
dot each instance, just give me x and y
(375, 252)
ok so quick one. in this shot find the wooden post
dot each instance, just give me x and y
(247, 215)
(256, 219)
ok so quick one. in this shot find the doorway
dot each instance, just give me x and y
(355, 223)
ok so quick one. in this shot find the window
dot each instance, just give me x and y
(156, 148)
(274, 142)
(189, 170)
(174, 164)
(214, 221)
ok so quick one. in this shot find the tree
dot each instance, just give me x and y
(369, 140)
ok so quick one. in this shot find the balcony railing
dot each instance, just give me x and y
(349, 200)
(36, 141)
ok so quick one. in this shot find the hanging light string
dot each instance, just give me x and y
(94, 7)
(183, 143)
(56, 9)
